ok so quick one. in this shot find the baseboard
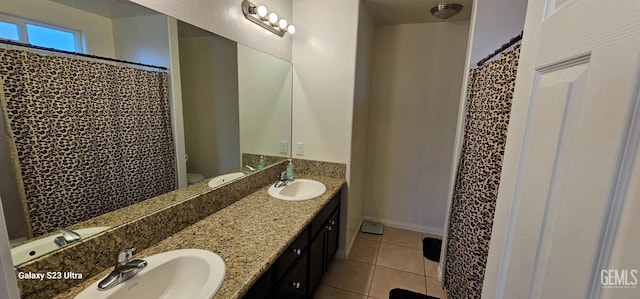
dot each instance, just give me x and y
(342, 254)
(409, 226)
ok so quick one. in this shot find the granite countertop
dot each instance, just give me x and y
(249, 235)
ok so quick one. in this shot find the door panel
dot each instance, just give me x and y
(569, 134)
(316, 261)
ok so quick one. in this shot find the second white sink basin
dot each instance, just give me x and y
(42, 246)
(221, 179)
(177, 274)
(300, 189)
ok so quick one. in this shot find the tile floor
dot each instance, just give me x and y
(380, 263)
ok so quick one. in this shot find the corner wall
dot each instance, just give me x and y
(360, 124)
(417, 77)
(143, 39)
(209, 80)
(324, 59)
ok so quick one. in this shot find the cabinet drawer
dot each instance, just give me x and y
(319, 222)
(293, 252)
(333, 224)
(294, 284)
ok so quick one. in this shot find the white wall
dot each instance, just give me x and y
(324, 58)
(264, 97)
(360, 124)
(142, 39)
(497, 21)
(96, 29)
(417, 76)
(487, 34)
(210, 104)
(225, 18)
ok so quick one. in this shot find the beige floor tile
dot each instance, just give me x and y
(384, 280)
(372, 237)
(402, 237)
(432, 236)
(430, 268)
(326, 292)
(401, 258)
(435, 289)
(350, 276)
(365, 251)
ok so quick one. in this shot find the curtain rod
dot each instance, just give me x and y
(511, 42)
(14, 43)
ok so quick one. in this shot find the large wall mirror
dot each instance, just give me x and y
(229, 106)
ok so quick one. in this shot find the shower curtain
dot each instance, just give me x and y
(473, 206)
(86, 137)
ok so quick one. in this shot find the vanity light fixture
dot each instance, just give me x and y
(262, 11)
(260, 15)
(273, 19)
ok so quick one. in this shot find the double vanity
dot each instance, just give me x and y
(272, 243)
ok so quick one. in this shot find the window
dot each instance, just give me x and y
(9, 31)
(39, 34)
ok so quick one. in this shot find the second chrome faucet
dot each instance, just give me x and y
(68, 237)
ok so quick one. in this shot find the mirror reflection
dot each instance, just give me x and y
(227, 113)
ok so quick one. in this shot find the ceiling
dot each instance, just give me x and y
(394, 12)
(110, 8)
(383, 12)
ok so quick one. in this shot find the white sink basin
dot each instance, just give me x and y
(300, 189)
(221, 179)
(185, 273)
(40, 247)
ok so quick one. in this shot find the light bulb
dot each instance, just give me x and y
(282, 24)
(273, 18)
(291, 29)
(261, 11)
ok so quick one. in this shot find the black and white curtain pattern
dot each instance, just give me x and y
(473, 206)
(86, 137)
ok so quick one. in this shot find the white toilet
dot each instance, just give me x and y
(193, 178)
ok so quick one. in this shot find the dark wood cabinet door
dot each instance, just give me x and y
(294, 284)
(333, 227)
(316, 261)
(292, 253)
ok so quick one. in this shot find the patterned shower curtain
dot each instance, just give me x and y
(488, 107)
(86, 137)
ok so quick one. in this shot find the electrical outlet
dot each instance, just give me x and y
(299, 149)
(284, 146)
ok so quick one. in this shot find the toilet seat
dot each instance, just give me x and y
(193, 178)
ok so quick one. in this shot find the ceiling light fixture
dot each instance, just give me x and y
(446, 10)
(260, 15)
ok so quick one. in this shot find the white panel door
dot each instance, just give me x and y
(570, 153)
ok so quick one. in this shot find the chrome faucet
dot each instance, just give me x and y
(68, 237)
(250, 169)
(125, 268)
(283, 180)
